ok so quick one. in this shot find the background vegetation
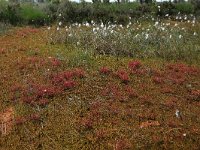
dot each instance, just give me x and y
(17, 13)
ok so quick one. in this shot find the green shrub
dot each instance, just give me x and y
(67, 9)
(51, 10)
(186, 8)
(9, 12)
(3, 6)
(167, 8)
(123, 19)
(144, 8)
(84, 13)
(31, 14)
(99, 12)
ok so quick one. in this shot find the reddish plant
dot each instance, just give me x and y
(148, 123)
(167, 90)
(195, 130)
(133, 65)
(131, 92)
(43, 102)
(16, 87)
(114, 122)
(123, 75)
(195, 94)
(32, 60)
(68, 74)
(16, 92)
(114, 109)
(55, 62)
(194, 71)
(171, 102)
(129, 112)
(122, 144)
(80, 73)
(58, 79)
(178, 81)
(87, 123)
(95, 105)
(139, 72)
(21, 66)
(158, 80)
(29, 100)
(177, 68)
(146, 100)
(46, 91)
(25, 32)
(176, 78)
(101, 133)
(125, 78)
(173, 123)
(95, 115)
(34, 117)
(182, 68)
(157, 73)
(147, 116)
(156, 139)
(20, 120)
(69, 84)
(104, 70)
(113, 91)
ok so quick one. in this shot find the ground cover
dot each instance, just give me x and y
(63, 97)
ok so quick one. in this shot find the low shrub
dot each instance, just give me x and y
(9, 12)
(31, 14)
(67, 9)
(166, 8)
(51, 10)
(3, 6)
(185, 8)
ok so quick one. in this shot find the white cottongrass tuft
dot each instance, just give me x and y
(178, 115)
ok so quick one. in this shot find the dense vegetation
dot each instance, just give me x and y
(61, 96)
(45, 13)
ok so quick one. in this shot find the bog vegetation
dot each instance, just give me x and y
(99, 76)
(45, 13)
